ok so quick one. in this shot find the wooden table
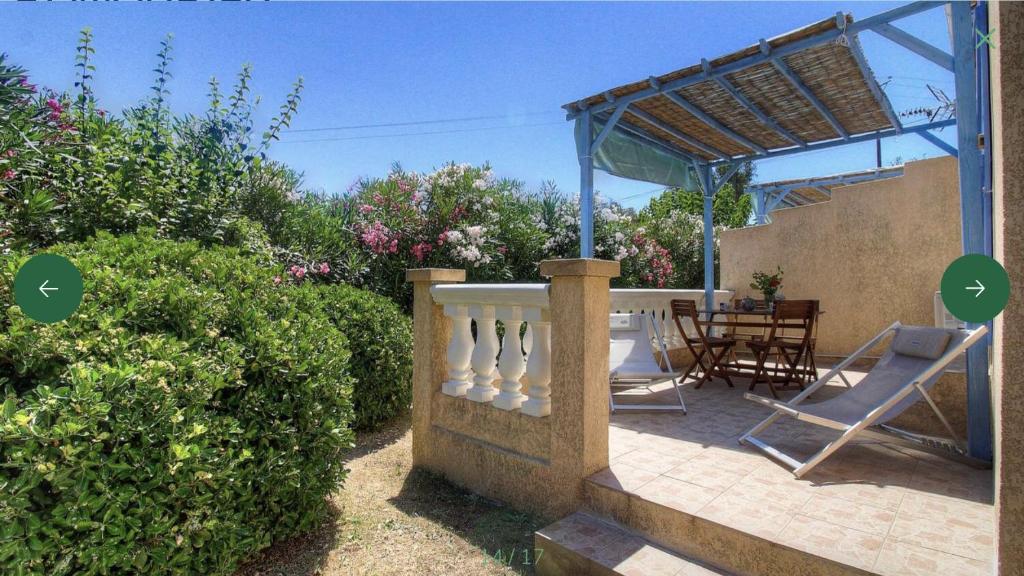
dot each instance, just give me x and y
(749, 319)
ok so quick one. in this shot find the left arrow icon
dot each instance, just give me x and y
(44, 289)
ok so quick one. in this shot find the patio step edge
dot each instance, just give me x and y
(583, 544)
(727, 549)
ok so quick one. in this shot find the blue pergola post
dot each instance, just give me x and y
(708, 188)
(586, 187)
(972, 216)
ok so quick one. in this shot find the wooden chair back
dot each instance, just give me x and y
(682, 309)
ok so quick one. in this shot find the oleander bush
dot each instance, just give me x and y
(189, 413)
(69, 169)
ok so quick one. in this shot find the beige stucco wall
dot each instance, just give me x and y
(1007, 72)
(536, 464)
(872, 255)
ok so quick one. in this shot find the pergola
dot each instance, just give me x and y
(806, 90)
(805, 191)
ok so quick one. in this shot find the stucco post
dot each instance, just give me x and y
(1006, 23)
(579, 371)
(431, 331)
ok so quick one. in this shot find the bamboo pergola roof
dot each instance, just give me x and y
(789, 91)
(804, 191)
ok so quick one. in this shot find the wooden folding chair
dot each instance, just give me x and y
(790, 353)
(701, 346)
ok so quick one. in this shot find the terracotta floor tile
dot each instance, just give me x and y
(868, 493)
(846, 545)
(649, 460)
(716, 468)
(902, 559)
(676, 494)
(622, 477)
(752, 514)
(968, 535)
(858, 516)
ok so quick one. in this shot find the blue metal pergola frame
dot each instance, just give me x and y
(969, 64)
(769, 196)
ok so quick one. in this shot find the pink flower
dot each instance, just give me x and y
(421, 250)
(11, 153)
(9, 175)
(366, 208)
(277, 280)
(55, 108)
(324, 268)
(378, 238)
(503, 249)
(301, 273)
(102, 113)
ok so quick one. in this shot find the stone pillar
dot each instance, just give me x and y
(431, 331)
(1006, 22)
(579, 371)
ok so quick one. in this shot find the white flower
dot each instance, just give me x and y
(453, 236)
(475, 233)
(480, 184)
(619, 236)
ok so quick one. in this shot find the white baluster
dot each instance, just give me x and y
(511, 364)
(459, 349)
(484, 354)
(538, 370)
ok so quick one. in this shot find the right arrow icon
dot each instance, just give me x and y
(980, 288)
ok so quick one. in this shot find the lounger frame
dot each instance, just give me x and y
(671, 374)
(850, 431)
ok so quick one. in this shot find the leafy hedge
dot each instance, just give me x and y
(380, 337)
(188, 414)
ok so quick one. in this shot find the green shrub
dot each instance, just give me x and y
(380, 337)
(187, 415)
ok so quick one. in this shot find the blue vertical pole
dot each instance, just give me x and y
(586, 187)
(972, 216)
(759, 206)
(706, 183)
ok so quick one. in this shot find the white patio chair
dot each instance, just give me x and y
(917, 356)
(631, 362)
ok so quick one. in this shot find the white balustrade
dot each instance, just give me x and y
(538, 370)
(515, 374)
(659, 301)
(474, 367)
(511, 363)
(484, 353)
(459, 350)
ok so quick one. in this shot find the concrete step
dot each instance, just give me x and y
(702, 540)
(582, 544)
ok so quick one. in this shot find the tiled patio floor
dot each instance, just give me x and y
(878, 506)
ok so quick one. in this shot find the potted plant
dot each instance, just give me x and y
(767, 284)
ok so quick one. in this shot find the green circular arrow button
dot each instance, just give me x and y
(48, 288)
(975, 288)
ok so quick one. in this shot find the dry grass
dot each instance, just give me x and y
(390, 519)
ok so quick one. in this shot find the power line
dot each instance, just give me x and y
(435, 132)
(420, 122)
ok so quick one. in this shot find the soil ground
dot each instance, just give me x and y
(389, 519)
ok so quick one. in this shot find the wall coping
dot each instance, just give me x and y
(580, 267)
(435, 275)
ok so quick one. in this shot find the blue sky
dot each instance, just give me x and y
(515, 63)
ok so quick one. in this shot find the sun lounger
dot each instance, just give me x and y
(916, 357)
(631, 362)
